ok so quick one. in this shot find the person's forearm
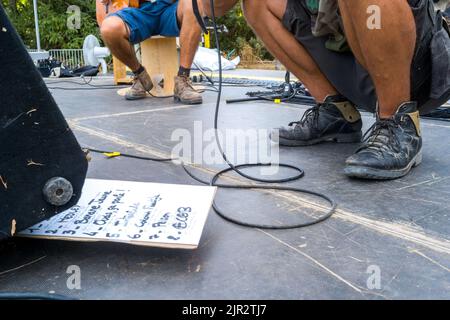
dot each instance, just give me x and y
(220, 7)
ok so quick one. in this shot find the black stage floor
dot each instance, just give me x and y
(399, 228)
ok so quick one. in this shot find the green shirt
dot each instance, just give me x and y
(327, 22)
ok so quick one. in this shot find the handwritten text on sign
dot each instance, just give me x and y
(140, 213)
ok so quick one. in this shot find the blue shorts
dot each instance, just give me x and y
(151, 19)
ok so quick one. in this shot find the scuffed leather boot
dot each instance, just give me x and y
(185, 92)
(142, 83)
(392, 148)
(336, 119)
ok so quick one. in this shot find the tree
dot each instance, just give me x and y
(56, 35)
(240, 35)
(53, 22)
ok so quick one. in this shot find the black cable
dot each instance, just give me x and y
(232, 83)
(236, 85)
(97, 85)
(32, 296)
(79, 89)
(48, 81)
(282, 99)
(216, 119)
(132, 156)
(86, 82)
(217, 176)
(208, 78)
(237, 168)
(207, 90)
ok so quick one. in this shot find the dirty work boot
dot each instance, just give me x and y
(142, 83)
(391, 149)
(336, 119)
(185, 92)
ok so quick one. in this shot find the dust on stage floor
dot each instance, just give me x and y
(387, 240)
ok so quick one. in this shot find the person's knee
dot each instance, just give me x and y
(113, 28)
(256, 11)
(186, 18)
(252, 10)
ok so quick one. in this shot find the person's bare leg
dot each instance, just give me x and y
(264, 16)
(115, 34)
(385, 52)
(190, 33)
(394, 145)
(334, 118)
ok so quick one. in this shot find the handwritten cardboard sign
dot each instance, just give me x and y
(147, 214)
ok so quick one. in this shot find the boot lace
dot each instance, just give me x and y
(310, 116)
(382, 136)
(187, 83)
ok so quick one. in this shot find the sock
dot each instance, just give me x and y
(139, 71)
(184, 72)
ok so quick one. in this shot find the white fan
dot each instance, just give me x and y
(94, 54)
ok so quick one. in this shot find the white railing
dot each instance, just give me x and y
(71, 58)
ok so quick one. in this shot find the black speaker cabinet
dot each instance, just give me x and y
(42, 166)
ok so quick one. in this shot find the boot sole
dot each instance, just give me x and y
(367, 173)
(338, 138)
(131, 98)
(188, 102)
(135, 98)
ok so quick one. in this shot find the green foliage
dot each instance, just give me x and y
(240, 34)
(53, 22)
(56, 35)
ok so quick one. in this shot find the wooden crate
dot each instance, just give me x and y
(159, 56)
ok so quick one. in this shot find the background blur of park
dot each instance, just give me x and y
(55, 33)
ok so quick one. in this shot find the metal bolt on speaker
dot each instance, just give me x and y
(58, 191)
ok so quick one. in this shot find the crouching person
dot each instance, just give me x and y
(390, 57)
